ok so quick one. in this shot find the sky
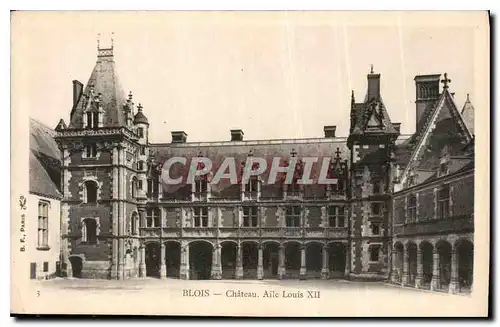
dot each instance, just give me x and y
(272, 74)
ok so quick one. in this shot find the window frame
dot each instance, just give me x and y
(443, 202)
(90, 238)
(336, 213)
(293, 214)
(200, 217)
(43, 225)
(86, 191)
(250, 216)
(411, 208)
(376, 247)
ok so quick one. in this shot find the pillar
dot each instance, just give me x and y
(216, 263)
(281, 266)
(405, 267)
(142, 262)
(239, 263)
(163, 266)
(420, 269)
(435, 283)
(184, 273)
(260, 265)
(394, 270)
(347, 261)
(303, 271)
(453, 288)
(325, 272)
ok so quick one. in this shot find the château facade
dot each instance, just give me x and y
(120, 220)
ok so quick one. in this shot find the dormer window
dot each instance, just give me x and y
(140, 132)
(376, 187)
(200, 186)
(443, 169)
(92, 119)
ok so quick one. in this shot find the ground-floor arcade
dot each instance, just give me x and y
(438, 264)
(243, 259)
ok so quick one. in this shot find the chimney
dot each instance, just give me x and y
(373, 86)
(330, 131)
(179, 137)
(77, 91)
(236, 135)
(397, 127)
(427, 93)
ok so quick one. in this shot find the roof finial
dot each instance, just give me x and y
(130, 96)
(468, 100)
(445, 81)
(112, 39)
(371, 69)
(98, 40)
(139, 107)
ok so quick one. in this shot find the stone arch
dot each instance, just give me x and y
(464, 252)
(270, 253)
(173, 258)
(398, 263)
(90, 189)
(229, 249)
(336, 258)
(427, 249)
(76, 261)
(152, 252)
(314, 258)
(200, 259)
(249, 258)
(411, 248)
(292, 253)
(265, 242)
(203, 241)
(444, 250)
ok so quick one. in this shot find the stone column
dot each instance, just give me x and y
(406, 263)
(260, 265)
(325, 272)
(142, 262)
(239, 263)
(435, 283)
(454, 272)
(184, 273)
(394, 274)
(420, 269)
(303, 271)
(347, 261)
(216, 263)
(163, 266)
(281, 266)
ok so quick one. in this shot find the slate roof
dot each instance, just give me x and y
(45, 161)
(105, 81)
(268, 149)
(40, 181)
(468, 114)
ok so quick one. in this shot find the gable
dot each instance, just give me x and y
(444, 128)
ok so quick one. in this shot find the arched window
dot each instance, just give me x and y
(89, 230)
(90, 189)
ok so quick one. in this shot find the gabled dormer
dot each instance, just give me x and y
(442, 135)
(370, 117)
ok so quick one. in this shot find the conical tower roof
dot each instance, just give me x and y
(103, 81)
